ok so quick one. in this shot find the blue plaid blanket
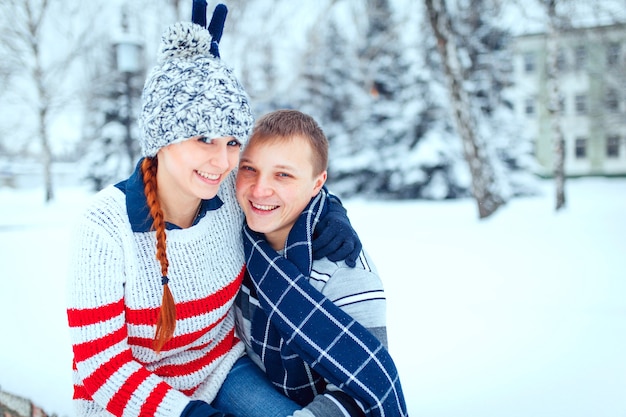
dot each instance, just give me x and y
(303, 338)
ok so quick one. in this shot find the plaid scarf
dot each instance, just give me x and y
(303, 338)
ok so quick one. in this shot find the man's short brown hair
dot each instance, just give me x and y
(286, 124)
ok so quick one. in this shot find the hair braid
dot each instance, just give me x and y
(166, 321)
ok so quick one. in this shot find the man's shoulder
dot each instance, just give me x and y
(324, 270)
(364, 263)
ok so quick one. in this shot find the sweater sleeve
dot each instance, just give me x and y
(105, 370)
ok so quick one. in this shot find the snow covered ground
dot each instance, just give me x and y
(522, 314)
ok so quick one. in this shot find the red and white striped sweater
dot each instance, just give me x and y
(114, 294)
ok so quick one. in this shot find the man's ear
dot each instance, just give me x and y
(320, 180)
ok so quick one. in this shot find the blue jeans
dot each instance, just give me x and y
(247, 392)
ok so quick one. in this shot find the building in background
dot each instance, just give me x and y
(591, 65)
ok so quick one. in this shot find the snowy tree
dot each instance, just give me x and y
(485, 180)
(367, 86)
(110, 133)
(554, 95)
(260, 43)
(376, 90)
(334, 93)
(387, 131)
(488, 73)
(43, 39)
(329, 86)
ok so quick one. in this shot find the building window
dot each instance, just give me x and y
(561, 61)
(612, 101)
(581, 104)
(580, 57)
(580, 148)
(612, 146)
(613, 54)
(529, 106)
(529, 62)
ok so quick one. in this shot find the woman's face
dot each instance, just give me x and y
(197, 166)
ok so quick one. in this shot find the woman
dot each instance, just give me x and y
(158, 258)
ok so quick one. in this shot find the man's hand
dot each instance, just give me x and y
(336, 239)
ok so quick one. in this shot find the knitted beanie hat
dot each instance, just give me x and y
(190, 91)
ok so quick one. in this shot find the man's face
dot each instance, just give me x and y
(275, 183)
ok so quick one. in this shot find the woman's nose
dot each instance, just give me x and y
(220, 157)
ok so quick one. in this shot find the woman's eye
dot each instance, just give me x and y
(234, 142)
(204, 139)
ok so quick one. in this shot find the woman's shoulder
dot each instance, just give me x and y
(109, 198)
(106, 208)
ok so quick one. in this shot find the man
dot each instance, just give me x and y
(316, 328)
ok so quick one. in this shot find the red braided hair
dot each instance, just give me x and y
(166, 321)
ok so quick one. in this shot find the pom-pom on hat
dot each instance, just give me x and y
(190, 91)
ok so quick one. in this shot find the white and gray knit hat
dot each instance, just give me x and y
(190, 91)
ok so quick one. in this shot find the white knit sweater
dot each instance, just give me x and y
(114, 295)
